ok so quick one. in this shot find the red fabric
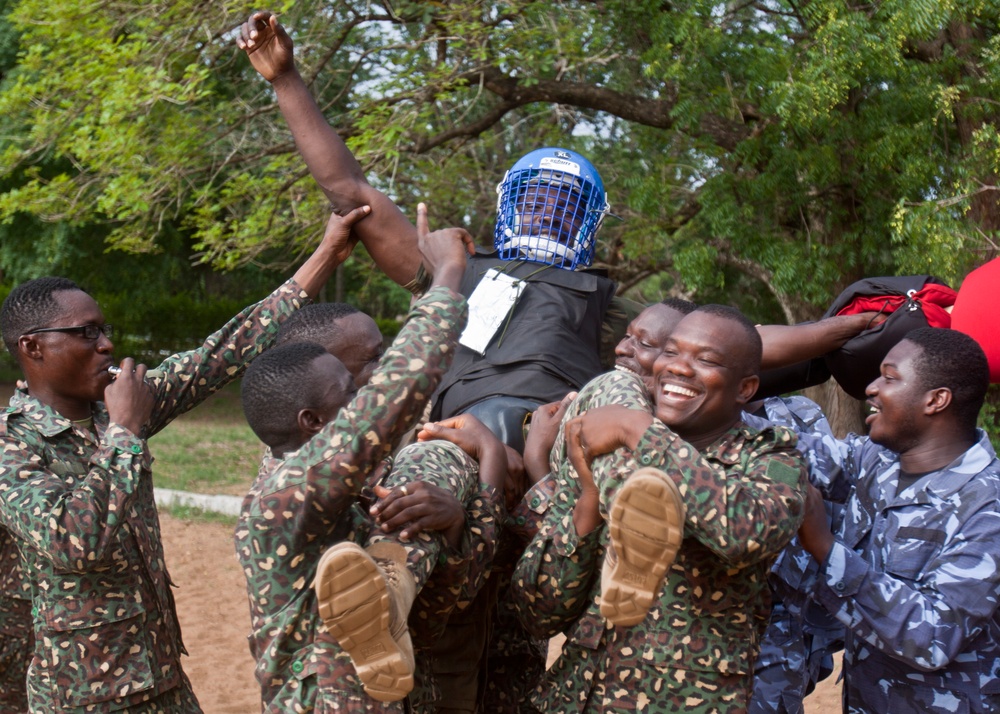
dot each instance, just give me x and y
(933, 298)
(976, 315)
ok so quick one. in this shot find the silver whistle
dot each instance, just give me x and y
(150, 373)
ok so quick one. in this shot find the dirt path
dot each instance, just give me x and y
(214, 615)
(215, 618)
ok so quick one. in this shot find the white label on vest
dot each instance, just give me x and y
(489, 305)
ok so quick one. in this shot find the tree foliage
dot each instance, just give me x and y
(770, 148)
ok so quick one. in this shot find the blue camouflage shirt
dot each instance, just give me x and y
(915, 578)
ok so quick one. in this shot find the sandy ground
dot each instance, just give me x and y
(212, 606)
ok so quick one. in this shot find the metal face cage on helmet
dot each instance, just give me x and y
(550, 205)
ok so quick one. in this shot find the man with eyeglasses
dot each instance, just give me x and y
(76, 492)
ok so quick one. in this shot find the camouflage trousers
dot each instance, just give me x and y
(672, 691)
(611, 389)
(584, 681)
(485, 661)
(790, 664)
(179, 700)
(515, 663)
(447, 466)
(441, 464)
(16, 646)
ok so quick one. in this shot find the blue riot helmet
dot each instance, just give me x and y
(549, 207)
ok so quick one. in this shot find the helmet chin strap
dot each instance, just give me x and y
(540, 248)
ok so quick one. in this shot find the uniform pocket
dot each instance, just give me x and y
(909, 557)
(97, 651)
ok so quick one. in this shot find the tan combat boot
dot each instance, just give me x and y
(646, 527)
(364, 597)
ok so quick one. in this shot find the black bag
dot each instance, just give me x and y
(856, 364)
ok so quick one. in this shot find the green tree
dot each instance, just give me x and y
(803, 144)
(771, 148)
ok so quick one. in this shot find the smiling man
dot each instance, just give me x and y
(76, 488)
(914, 572)
(693, 483)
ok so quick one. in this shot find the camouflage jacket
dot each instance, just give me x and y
(915, 578)
(460, 573)
(300, 504)
(80, 503)
(795, 570)
(744, 499)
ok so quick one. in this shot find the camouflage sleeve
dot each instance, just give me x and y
(188, 378)
(795, 570)
(526, 518)
(12, 583)
(620, 313)
(833, 462)
(922, 609)
(485, 515)
(743, 506)
(72, 525)
(551, 584)
(441, 595)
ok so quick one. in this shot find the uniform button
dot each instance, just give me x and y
(136, 449)
(297, 667)
(34, 612)
(535, 501)
(646, 459)
(519, 520)
(839, 587)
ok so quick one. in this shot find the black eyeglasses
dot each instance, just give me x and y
(88, 332)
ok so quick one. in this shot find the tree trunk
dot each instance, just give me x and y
(845, 413)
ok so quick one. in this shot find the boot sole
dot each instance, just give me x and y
(353, 601)
(646, 525)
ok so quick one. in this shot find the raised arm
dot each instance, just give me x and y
(388, 236)
(337, 243)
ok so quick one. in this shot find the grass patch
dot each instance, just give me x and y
(193, 513)
(211, 449)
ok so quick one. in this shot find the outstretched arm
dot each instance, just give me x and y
(785, 345)
(387, 235)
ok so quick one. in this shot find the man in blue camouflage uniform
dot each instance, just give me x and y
(914, 573)
(712, 606)
(76, 490)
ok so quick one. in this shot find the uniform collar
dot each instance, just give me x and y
(945, 483)
(729, 447)
(46, 420)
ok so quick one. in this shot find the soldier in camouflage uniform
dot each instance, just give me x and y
(914, 573)
(517, 659)
(743, 492)
(76, 489)
(354, 338)
(304, 505)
